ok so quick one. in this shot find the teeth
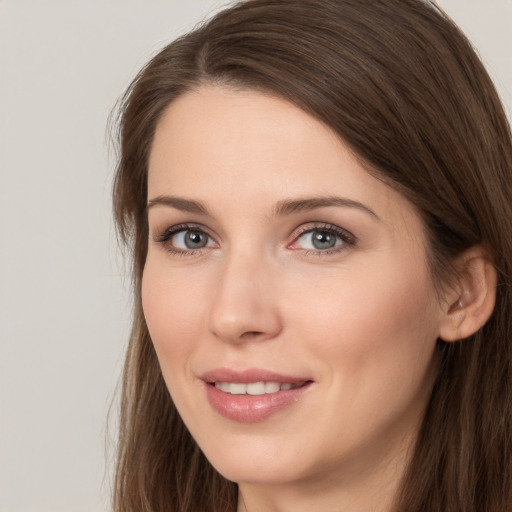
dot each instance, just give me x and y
(237, 389)
(224, 386)
(255, 388)
(272, 387)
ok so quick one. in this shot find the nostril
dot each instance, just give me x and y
(251, 334)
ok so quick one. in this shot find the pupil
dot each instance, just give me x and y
(323, 240)
(195, 239)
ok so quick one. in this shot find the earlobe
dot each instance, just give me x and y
(470, 302)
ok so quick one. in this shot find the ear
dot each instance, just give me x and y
(470, 301)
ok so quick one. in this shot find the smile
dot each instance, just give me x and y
(256, 388)
(252, 395)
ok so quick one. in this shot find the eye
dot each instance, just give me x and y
(190, 239)
(185, 239)
(326, 238)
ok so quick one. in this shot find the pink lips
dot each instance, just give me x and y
(251, 408)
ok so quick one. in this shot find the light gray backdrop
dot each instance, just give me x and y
(63, 304)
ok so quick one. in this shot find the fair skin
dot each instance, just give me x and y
(272, 248)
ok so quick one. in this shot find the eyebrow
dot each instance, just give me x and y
(179, 203)
(300, 205)
(282, 208)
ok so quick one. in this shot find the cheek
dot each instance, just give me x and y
(371, 325)
(173, 310)
(371, 337)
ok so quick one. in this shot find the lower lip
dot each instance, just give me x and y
(250, 408)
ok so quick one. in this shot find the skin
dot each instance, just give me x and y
(361, 320)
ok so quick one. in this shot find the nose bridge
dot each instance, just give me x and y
(244, 305)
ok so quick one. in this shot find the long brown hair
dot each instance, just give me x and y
(399, 83)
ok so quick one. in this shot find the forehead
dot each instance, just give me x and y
(241, 130)
(242, 147)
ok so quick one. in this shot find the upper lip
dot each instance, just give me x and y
(249, 375)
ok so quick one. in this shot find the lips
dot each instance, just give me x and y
(252, 395)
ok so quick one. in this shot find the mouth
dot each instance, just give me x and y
(253, 395)
(256, 388)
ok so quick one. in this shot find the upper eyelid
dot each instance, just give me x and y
(322, 226)
(177, 228)
(312, 226)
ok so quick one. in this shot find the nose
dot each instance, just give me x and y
(244, 307)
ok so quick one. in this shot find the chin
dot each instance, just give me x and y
(255, 473)
(258, 460)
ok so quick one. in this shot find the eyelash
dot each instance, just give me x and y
(347, 238)
(166, 236)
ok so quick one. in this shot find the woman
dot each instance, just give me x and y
(317, 197)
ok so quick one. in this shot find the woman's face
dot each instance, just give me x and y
(286, 291)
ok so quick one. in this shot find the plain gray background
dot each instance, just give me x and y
(64, 306)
